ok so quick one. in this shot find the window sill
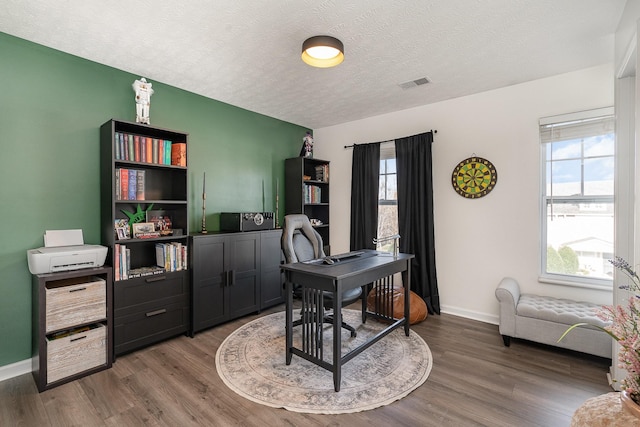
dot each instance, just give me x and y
(608, 287)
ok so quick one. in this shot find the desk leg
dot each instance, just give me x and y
(337, 336)
(289, 317)
(407, 292)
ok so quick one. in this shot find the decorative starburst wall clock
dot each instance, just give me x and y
(474, 177)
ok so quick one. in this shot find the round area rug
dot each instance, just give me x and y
(251, 362)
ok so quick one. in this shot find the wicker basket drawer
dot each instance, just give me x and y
(76, 301)
(76, 353)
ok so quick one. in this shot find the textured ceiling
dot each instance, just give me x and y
(247, 52)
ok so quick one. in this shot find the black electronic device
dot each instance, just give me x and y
(247, 221)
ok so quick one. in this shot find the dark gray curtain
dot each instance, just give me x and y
(365, 176)
(415, 214)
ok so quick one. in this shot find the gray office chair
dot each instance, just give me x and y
(300, 242)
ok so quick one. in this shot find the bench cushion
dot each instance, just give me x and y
(558, 310)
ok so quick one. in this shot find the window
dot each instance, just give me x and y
(387, 196)
(577, 197)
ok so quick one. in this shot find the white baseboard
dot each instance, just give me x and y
(15, 369)
(470, 314)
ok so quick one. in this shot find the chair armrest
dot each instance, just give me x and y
(508, 294)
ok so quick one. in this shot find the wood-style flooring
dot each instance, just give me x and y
(475, 381)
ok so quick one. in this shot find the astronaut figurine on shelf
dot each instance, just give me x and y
(307, 146)
(143, 92)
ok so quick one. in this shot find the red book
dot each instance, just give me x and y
(179, 154)
(125, 147)
(124, 184)
(136, 141)
(116, 262)
(160, 151)
(149, 150)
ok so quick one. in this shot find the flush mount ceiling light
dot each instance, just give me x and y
(322, 51)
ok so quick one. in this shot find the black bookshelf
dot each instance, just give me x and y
(307, 192)
(156, 306)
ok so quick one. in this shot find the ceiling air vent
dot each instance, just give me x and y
(414, 83)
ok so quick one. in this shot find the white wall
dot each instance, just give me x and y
(477, 241)
(627, 112)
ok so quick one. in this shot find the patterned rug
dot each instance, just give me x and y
(251, 362)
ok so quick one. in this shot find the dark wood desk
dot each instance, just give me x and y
(372, 270)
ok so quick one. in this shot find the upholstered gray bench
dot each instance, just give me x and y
(544, 319)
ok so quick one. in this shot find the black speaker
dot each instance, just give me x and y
(247, 221)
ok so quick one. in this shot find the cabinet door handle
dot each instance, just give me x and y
(155, 313)
(232, 277)
(155, 279)
(228, 280)
(76, 339)
(77, 289)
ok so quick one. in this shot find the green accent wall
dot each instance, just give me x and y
(51, 107)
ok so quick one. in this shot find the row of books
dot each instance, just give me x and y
(121, 262)
(312, 194)
(322, 173)
(122, 265)
(144, 149)
(130, 184)
(171, 256)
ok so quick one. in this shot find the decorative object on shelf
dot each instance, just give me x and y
(307, 146)
(121, 227)
(144, 230)
(474, 177)
(204, 201)
(625, 323)
(161, 221)
(139, 216)
(143, 92)
(315, 222)
(322, 51)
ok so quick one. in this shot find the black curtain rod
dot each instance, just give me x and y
(351, 146)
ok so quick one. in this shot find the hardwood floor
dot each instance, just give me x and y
(475, 381)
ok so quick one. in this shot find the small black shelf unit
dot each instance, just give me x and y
(307, 192)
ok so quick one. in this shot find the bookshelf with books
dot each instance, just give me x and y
(144, 222)
(307, 192)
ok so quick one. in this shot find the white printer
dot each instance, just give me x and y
(65, 250)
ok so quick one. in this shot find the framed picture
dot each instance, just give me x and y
(144, 229)
(161, 221)
(121, 227)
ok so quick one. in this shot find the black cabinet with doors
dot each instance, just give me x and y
(234, 274)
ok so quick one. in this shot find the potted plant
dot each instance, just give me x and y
(624, 327)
